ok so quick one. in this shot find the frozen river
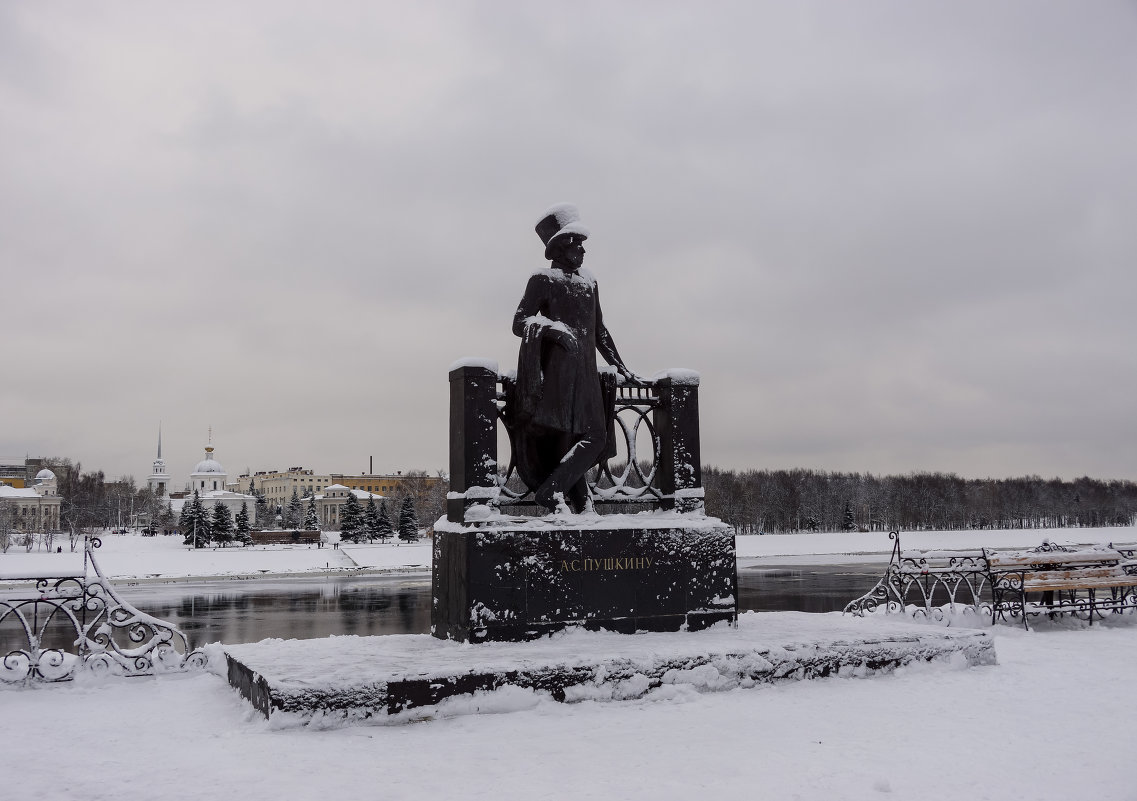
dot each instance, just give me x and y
(233, 611)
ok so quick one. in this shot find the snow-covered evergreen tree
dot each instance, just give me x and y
(850, 522)
(383, 529)
(241, 521)
(264, 514)
(408, 521)
(351, 519)
(185, 523)
(196, 523)
(295, 511)
(371, 518)
(221, 525)
(166, 518)
(311, 516)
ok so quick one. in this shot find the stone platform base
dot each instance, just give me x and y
(516, 579)
(416, 676)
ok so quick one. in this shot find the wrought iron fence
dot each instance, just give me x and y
(930, 582)
(73, 622)
(1063, 579)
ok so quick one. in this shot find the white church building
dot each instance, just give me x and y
(208, 480)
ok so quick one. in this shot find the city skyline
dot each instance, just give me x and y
(891, 238)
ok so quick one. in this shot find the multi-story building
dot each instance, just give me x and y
(329, 505)
(12, 473)
(277, 486)
(34, 508)
(15, 472)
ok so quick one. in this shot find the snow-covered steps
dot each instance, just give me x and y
(405, 675)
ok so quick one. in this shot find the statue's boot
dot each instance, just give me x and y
(573, 465)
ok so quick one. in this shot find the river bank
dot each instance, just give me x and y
(161, 559)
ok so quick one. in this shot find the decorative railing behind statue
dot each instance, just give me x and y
(78, 621)
(656, 464)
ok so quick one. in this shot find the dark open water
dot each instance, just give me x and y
(247, 611)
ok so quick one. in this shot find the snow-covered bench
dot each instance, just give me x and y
(1085, 581)
(1066, 579)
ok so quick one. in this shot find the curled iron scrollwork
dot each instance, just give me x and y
(929, 582)
(79, 621)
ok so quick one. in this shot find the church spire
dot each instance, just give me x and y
(159, 480)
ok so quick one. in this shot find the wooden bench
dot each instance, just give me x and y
(1069, 580)
(1065, 579)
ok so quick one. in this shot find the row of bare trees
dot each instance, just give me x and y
(427, 494)
(775, 501)
(88, 502)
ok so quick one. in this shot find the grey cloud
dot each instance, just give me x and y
(891, 237)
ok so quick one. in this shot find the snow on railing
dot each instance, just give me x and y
(65, 623)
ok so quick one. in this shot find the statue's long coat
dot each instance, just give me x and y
(558, 387)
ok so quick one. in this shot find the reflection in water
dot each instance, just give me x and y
(805, 588)
(232, 611)
(239, 611)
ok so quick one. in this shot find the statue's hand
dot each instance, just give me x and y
(629, 376)
(563, 338)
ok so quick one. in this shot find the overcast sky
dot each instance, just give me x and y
(891, 236)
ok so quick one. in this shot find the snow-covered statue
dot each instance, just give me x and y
(563, 407)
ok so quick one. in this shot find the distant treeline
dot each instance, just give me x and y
(773, 501)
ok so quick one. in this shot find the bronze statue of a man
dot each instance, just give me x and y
(562, 417)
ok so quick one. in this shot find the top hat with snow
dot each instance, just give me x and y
(558, 221)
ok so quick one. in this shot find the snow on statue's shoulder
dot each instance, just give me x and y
(678, 375)
(474, 361)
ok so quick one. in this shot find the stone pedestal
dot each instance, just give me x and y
(519, 580)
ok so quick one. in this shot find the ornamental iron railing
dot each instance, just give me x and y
(929, 582)
(75, 622)
(661, 414)
(1086, 581)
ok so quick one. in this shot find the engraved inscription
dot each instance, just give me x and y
(609, 563)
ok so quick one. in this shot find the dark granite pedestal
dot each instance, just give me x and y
(517, 580)
(407, 677)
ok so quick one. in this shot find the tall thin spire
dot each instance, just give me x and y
(159, 439)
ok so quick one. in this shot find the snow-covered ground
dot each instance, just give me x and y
(142, 557)
(860, 543)
(1053, 720)
(134, 557)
